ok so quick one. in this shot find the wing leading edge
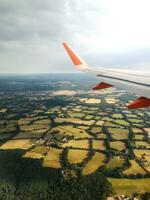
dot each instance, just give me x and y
(133, 81)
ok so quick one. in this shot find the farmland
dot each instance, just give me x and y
(78, 133)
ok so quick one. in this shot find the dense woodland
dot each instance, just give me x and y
(22, 179)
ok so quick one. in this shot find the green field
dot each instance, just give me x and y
(130, 186)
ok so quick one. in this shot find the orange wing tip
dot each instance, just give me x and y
(74, 57)
(141, 102)
(102, 85)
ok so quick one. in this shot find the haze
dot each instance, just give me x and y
(104, 32)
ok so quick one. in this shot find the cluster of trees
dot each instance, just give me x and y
(22, 179)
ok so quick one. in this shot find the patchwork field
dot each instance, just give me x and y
(96, 161)
(74, 121)
(118, 134)
(79, 144)
(90, 100)
(115, 162)
(130, 186)
(134, 169)
(76, 156)
(52, 159)
(18, 144)
(142, 144)
(78, 133)
(98, 145)
(117, 145)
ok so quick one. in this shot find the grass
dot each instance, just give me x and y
(96, 162)
(95, 130)
(78, 115)
(43, 121)
(30, 134)
(143, 153)
(142, 143)
(117, 145)
(137, 130)
(74, 121)
(90, 100)
(7, 129)
(138, 137)
(118, 133)
(79, 144)
(76, 156)
(115, 162)
(134, 169)
(18, 144)
(148, 131)
(98, 145)
(130, 186)
(118, 116)
(71, 131)
(135, 120)
(122, 122)
(34, 127)
(33, 155)
(52, 159)
(89, 117)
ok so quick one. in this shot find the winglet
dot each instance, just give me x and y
(78, 62)
(102, 85)
(141, 102)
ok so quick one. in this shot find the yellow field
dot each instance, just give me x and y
(52, 159)
(81, 144)
(118, 116)
(98, 144)
(132, 120)
(118, 145)
(40, 149)
(121, 122)
(64, 92)
(137, 130)
(96, 130)
(70, 130)
(100, 123)
(134, 169)
(25, 121)
(74, 121)
(89, 117)
(138, 137)
(118, 133)
(34, 127)
(148, 131)
(130, 186)
(76, 114)
(43, 121)
(96, 161)
(115, 162)
(33, 155)
(76, 156)
(18, 144)
(145, 153)
(111, 100)
(101, 136)
(139, 152)
(142, 143)
(90, 100)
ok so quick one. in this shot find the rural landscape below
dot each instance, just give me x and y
(59, 139)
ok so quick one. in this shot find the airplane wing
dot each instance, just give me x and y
(132, 81)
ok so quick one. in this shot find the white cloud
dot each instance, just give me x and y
(103, 31)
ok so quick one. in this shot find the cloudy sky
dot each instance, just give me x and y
(111, 33)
